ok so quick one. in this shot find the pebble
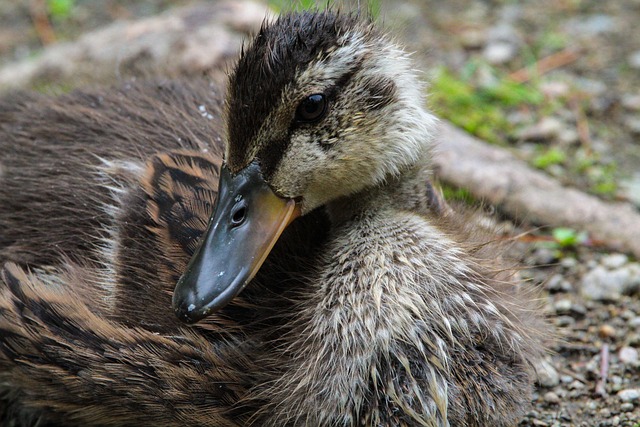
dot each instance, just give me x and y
(562, 306)
(629, 394)
(592, 405)
(542, 256)
(592, 25)
(551, 397)
(632, 123)
(502, 45)
(499, 52)
(626, 407)
(616, 383)
(547, 374)
(568, 136)
(473, 38)
(606, 331)
(628, 355)
(630, 101)
(546, 129)
(601, 284)
(630, 188)
(635, 322)
(557, 283)
(592, 87)
(633, 340)
(564, 321)
(568, 262)
(576, 385)
(554, 89)
(612, 261)
(634, 59)
(566, 379)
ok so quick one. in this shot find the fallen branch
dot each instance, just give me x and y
(199, 38)
(544, 65)
(497, 176)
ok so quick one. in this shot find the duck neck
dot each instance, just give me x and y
(402, 192)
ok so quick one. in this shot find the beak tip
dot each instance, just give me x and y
(189, 314)
(184, 308)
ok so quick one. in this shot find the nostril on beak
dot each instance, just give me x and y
(239, 215)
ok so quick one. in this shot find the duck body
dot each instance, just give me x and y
(423, 338)
(104, 196)
(91, 232)
(405, 317)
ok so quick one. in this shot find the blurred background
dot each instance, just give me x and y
(555, 82)
(557, 79)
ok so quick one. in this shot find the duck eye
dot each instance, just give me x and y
(312, 109)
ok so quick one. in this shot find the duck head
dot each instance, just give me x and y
(320, 106)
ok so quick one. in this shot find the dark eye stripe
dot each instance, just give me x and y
(343, 81)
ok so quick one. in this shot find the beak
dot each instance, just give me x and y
(247, 221)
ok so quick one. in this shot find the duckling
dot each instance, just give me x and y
(87, 334)
(400, 321)
(368, 309)
(104, 196)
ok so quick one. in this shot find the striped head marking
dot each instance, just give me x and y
(327, 105)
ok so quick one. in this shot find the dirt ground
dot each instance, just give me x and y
(583, 58)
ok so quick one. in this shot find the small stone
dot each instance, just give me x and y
(635, 322)
(627, 314)
(613, 261)
(564, 321)
(543, 256)
(630, 101)
(592, 87)
(568, 136)
(576, 385)
(547, 374)
(555, 89)
(601, 284)
(566, 379)
(473, 38)
(562, 306)
(578, 311)
(606, 331)
(629, 395)
(616, 383)
(544, 130)
(630, 188)
(634, 59)
(557, 283)
(592, 25)
(628, 355)
(633, 340)
(632, 123)
(551, 397)
(499, 52)
(568, 262)
(626, 407)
